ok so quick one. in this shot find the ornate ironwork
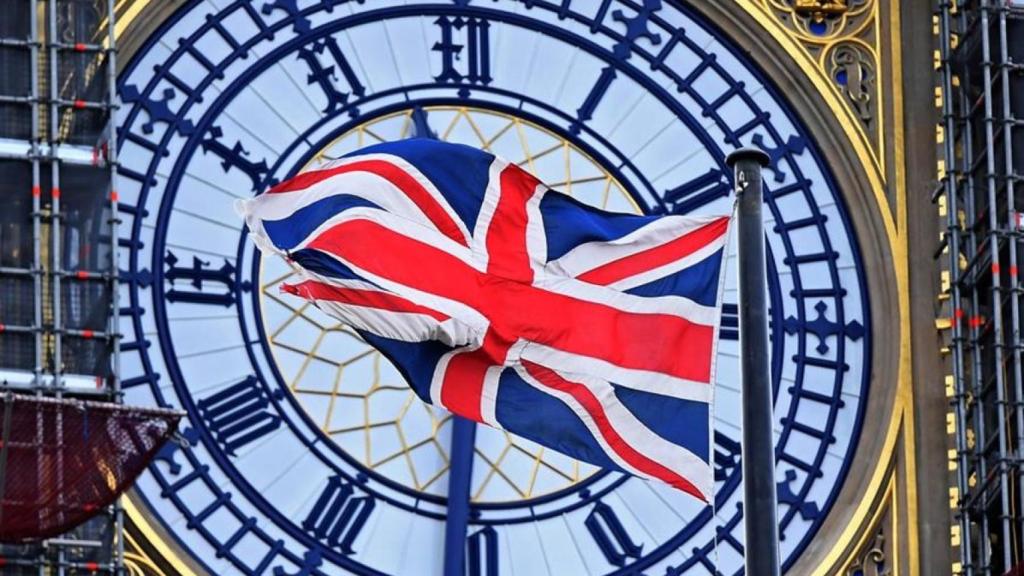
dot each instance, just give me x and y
(852, 66)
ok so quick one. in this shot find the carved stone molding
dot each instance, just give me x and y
(875, 552)
(873, 559)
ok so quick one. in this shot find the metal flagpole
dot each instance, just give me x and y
(759, 499)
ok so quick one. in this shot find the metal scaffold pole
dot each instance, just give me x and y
(952, 241)
(979, 174)
(63, 52)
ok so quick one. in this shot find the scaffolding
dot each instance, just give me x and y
(58, 236)
(980, 61)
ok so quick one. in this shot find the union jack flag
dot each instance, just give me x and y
(511, 304)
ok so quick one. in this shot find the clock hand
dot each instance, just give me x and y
(460, 473)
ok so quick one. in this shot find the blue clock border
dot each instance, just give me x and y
(759, 74)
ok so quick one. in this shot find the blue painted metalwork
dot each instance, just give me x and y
(611, 536)
(824, 328)
(182, 466)
(195, 276)
(483, 552)
(326, 76)
(236, 156)
(158, 110)
(727, 456)
(338, 515)
(238, 415)
(477, 60)
(460, 472)
(703, 189)
(310, 562)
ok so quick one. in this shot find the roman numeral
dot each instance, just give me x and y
(325, 76)
(482, 552)
(337, 517)
(238, 415)
(702, 190)
(476, 61)
(190, 283)
(730, 327)
(611, 537)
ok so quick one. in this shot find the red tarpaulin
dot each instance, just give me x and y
(63, 461)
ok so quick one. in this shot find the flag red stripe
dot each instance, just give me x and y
(657, 256)
(393, 174)
(366, 298)
(592, 405)
(507, 255)
(463, 385)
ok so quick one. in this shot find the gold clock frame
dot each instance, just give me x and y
(875, 518)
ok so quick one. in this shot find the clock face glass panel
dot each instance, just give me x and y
(303, 450)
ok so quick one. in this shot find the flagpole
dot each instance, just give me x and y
(460, 475)
(759, 499)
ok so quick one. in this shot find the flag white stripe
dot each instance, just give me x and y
(536, 238)
(670, 268)
(642, 380)
(492, 195)
(669, 305)
(592, 255)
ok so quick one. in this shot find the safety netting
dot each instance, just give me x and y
(62, 461)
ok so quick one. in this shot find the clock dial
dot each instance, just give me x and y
(304, 452)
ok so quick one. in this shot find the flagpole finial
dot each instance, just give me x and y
(748, 154)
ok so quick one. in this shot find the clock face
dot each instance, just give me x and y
(304, 451)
